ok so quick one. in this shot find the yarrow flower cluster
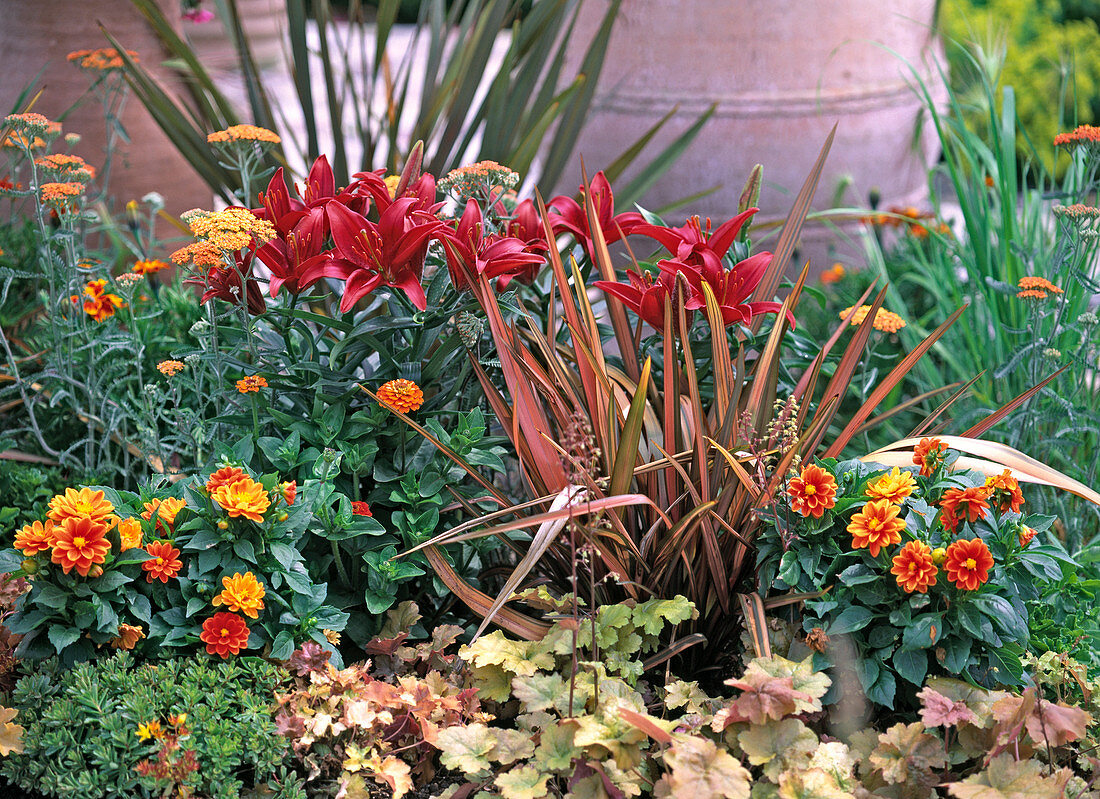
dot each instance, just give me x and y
(245, 133)
(103, 59)
(171, 368)
(1036, 288)
(884, 321)
(221, 233)
(481, 179)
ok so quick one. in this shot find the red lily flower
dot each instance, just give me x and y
(693, 245)
(568, 216)
(225, 284)
(731, 288)
(644, 295)
(373, 185)
(470, 251)
(389, 253)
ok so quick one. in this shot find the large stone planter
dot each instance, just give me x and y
(37, 36)
(782, 72)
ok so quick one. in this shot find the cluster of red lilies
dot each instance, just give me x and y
(328, 233)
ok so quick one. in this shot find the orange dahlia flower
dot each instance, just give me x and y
(969, 504)
(1006, 494)
(895, 486)
(401, 395)
(242, 593)
(34, 538)
(128, 636)
(245, 498)
(224, 476)
(928, 455)
(80, 543)
(129, 530)
(968, 563)
(877, 525)
(83, 503)
(165, 563)
(812, 492)
(224, 634)
(164, 510)
(914, 567)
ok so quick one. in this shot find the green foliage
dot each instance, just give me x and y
(26, 490)
(901, 634)
(82, 726)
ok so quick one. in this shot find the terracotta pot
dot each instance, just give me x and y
(782, 73)
(37, 36)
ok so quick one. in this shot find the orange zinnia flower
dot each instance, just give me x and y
(244, 498)
(129, 530)
(401, 395)
(164, 510)
(928, 455)
(83, 503)
(224, 634)
(877, 525)
(34, 538)
(165, 563)
(242, 593)
(128, 636)
(80, 543)
(224, 476)
(361, 509)
(812, 492)
(251, 383)
(914, 567)
(1006, 494)
(958, 504)
(895, 486)
(968, 563)
(290, 491)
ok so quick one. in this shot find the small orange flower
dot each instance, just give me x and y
(895, 486)
(251, 383)
(150, 729)
(60, 193)
(290, 491)
(80, 543)
(812, 492)
(171, 368)
(1006, 494)
(1026, 534)
(150, 266)
(224, 476)
(129, 530)
(969, 504)
(877, 525)
(128, 636)
(968, 563)
(164, 510)
(101, 60)
(1031, 294)
(884, 321)
(914, 567)
(361, 509)
(242, 593)
(1041, 283)
(243, 498)
(833, 274)
(401, 395)
(165, 563)
(83, 503)
(224, 634)
(34, 538)
(928, 455)
(1082, 134)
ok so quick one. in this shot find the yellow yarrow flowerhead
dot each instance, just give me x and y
(248, 133)
(242, 593)
(895, 486)
(220, 233)
(884, 321)
(401, 395)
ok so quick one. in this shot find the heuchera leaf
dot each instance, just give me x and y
(764, 697)
(697, 767)
(525, 782)
(11, 735)
(1008, 778)
(778, 745)
(466, 748)
(939, 711)
(556, 751)
(813, 783)
(906, 755)
(806, 679)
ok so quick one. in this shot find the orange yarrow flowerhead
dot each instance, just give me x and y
(895, 486)
(1041, 283)
(914, 567)
(101, 60)
(224, 634)
(928, 455)
(877, 525)
(128, 636)
(242, 593)
(401, 395)
(165, 563)
(812, 492)
(244, 498)
(968, 563)
(959, 504)
(80, 542)
(34, 538)
(1005, 494)
(251, 383)
(86, 502)
(833, 274)
(171, 368)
